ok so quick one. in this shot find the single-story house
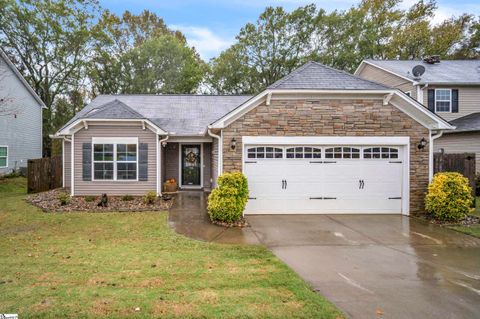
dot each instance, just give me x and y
(319, 140)
(449, 88)
(20, 119)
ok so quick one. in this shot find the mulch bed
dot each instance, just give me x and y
(49, 202)
(467, 221)
(240, 223)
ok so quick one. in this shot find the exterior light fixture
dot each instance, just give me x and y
(233, 144)
(422, 144)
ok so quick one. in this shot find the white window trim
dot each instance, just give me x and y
(450, 101)
(6, 146)
(115, 141)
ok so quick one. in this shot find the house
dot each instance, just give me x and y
(449, 88)
(20, 119)
(317, 141)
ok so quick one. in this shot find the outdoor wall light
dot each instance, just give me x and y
(233, 144)
(422, 144)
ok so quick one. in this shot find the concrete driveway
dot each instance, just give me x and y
(380, 266)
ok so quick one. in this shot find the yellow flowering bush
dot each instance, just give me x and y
(227, 202)
(449, 196)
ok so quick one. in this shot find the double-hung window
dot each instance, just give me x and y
(115, 160)
(3, 156)
(443, 100)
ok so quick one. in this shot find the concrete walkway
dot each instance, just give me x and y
(188, 216)
(370, 266)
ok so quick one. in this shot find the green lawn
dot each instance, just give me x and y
(105, 265)
(473, 230)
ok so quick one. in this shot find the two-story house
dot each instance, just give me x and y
(20, 119)
(449, 88)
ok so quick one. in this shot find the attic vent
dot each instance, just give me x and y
(432, 59)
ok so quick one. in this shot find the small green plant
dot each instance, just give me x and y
(127, 198)
(449, 196)
(150, 197)
(227, 202)
(64, 199)
(90, 199)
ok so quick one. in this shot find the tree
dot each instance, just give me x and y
(160, 65)
(264, 52)
(49, 42)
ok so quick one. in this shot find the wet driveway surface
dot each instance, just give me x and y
(370, 266)
(382, 266)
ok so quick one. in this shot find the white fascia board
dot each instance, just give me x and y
(22, 79)
(361, 66)
(71, 128)
(441, 123)
(114, 140)
(325, 140)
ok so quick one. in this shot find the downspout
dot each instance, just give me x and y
(159, 165)
(430, 156)
(220, 151)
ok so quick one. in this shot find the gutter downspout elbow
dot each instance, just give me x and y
(220, 151)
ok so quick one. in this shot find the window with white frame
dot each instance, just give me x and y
(3, 156)
(443, 100)
(342, 152)
(115, 161)
(265, 152)
(380, 152)
(304, 152)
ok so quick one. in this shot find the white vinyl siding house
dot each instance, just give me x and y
(21, 126)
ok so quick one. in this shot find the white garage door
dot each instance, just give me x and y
(324, 179)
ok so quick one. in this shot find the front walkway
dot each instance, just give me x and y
(188, 216)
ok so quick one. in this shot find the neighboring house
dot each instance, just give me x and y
(20, 119)
(449, 88)
(317, 141)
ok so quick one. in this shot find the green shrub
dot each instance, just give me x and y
(150, 197)
(90, 199)
(227, 202)
(64, 198)
(127, 198)
(449, 196)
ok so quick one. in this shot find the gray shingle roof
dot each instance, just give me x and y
(445, 72)
(181, 115)
(466, 123)
(316, 76)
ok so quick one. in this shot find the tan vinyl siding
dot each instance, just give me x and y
(68, 163)
(207, 165)
(115, 187)
(468, 100)
(460, 143)
(375, 74)
(171, 162)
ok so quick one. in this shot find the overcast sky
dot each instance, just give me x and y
(211, 25)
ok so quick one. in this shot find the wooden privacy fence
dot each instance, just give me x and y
(463, 163)
(44, 174)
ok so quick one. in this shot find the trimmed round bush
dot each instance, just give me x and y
(226, 203)
(449, 196)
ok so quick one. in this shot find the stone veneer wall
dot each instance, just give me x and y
(334, 117)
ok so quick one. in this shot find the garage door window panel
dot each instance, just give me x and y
(380, 153)
(262, 152)
(303, 152)
(342, 152)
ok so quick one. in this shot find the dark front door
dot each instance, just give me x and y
(191, 165)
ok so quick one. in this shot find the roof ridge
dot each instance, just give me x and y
(349, 74)
(109, 103)
(298, 70)
(174, 94)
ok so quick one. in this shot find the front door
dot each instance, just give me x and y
(191, 165)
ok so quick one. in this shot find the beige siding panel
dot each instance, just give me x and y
(115, 187)
(375, 74)
(214, 162)
(67, 162)
(468, 100)
(460, 143)
(171, 160)
(207, 165)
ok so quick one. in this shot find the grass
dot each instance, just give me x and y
(473, 230)
(117, 265)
